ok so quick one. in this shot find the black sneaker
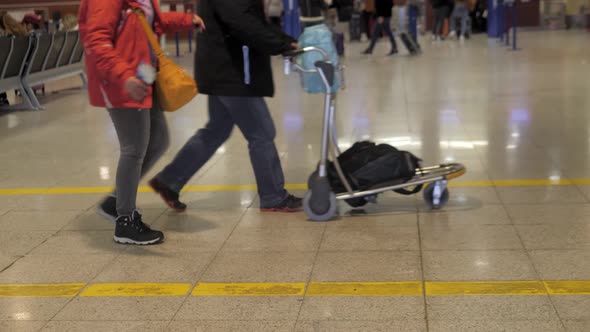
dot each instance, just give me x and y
(131, 230)
(108, 209)
(289, 204)
(393, 52)
(368, 52)
(169, 196)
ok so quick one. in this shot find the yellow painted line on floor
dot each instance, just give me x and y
(485, 288)
(294, 186)
(41, 290)
(471, 184)
(249, 289)
(532, 183)
(573, 287)
(136, 289)
(397, 288)
(410, 288)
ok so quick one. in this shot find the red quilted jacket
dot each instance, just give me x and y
(115, 44)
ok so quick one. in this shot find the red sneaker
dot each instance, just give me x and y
(289, 204)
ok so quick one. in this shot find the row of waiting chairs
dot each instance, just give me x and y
(37, 59)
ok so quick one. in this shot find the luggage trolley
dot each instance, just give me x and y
(320, 201)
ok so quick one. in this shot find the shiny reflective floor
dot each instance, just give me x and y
(511, 251)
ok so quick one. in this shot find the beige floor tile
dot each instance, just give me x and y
(474, 237)
(586, 191)
(21, 326)
(573, 307)
(577, 325)
(253, 218)
(349, 326)
(19, 243)
(274, 239)
(362, 308)
(199, 220)
(285, 266)
(468, 197)
(495, 325)
(562, 264)
(575, 236)
(77, 202)
(376, 220)
(36, 221)
(30, 309)
(240, 308)
(55, 269)
(120, 309)
(541, 195)
(95, 326)
(221, 326)
(80, 242)
(367, 266)
(502, 308)
(550, 213)
(478, 265)
(219, 200)
(146, 266)
(370, 238)
(6, 261)
(485, 215)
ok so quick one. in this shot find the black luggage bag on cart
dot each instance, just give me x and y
(367, 164)
(409, 43)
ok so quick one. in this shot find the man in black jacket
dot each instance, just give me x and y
(233, 67)
(383, 12)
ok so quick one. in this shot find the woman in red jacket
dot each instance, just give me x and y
(115, 47)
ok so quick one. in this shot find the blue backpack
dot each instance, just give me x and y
(318, 36)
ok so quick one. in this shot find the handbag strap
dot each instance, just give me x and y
(149, 33)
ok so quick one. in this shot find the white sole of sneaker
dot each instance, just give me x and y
(105, 215)
(123, 240)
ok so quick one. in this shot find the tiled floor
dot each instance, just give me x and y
(520, 116)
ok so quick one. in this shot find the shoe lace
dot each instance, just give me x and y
(138, 224)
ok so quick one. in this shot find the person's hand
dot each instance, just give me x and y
(198, 22)
(380, 20)
(295, 45)
(136, 89)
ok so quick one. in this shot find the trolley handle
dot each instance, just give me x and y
(291, 55)
(297, 52)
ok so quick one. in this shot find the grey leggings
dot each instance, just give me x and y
(143, 139)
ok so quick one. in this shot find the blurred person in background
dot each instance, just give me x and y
(118, 58)
(442, 9)
(383, 24)
(460, 12)
(312, 12)
(274, 11)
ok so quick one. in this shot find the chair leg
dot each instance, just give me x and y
(84, 80)
(30, 95)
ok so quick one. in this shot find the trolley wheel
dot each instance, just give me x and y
(429, 198)
(320, 208)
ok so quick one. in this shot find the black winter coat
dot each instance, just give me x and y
(233, 54)
(383, 8)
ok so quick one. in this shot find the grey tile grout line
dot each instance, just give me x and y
(206, 267)
(538, 274)
(317, 253)
(422, 265)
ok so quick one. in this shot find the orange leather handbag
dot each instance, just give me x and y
(174, 87)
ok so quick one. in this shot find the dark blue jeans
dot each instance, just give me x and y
(253, 118)
(386, 28)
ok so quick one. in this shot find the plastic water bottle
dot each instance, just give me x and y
(146, 73)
